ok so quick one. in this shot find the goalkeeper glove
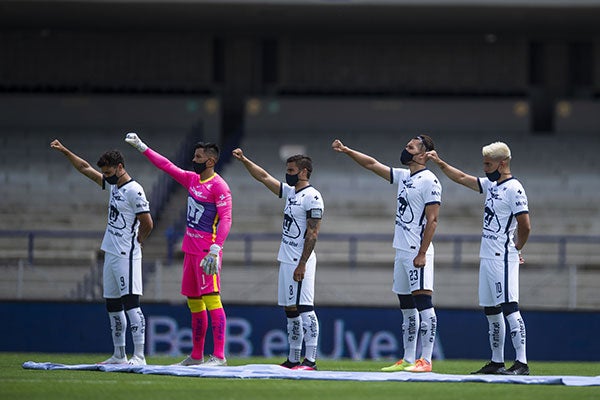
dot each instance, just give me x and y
(210, 262)
(135, 141)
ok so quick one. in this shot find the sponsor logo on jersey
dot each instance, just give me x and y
(488, 236)
(289, 242)
(197, 192)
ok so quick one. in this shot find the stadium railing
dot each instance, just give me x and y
(340, 248)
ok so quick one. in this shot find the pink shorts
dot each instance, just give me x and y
(194, 282)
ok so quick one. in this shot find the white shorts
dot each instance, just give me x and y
(292, 293)
(121, 276)
(498, 282)
(407, 278)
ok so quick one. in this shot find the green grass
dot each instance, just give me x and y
(18, 383)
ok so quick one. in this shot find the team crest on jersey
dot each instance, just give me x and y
(290, 226)
(194, 213)
(115, 218)
(490, 219)
(405, 212)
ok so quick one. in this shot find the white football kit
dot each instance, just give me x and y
(415, 192)
(299, 206)
(499, 266)
(122, 272)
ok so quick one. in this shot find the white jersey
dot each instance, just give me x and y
(125, 203)
(503, 202)
(415, 192)
(306, 203)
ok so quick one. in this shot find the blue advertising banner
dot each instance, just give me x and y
(356, 333)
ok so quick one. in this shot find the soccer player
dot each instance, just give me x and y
(208, 225)
(129, 224)
(505, 211)
(302, 216)
(419, 199)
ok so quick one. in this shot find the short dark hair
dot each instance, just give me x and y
(302, 162)
(111, 158)
(427, 142)
(210, 149)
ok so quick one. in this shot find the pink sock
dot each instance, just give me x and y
(199, 327)
(218, 322)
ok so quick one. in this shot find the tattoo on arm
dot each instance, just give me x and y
(312, 231)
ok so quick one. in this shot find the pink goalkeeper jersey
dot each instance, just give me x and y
(208, 205)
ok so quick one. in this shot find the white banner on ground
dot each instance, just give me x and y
(270, 371)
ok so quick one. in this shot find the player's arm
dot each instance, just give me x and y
(523, 230)
(78, 163)
(257, 172)
(224, 207)
(210, 262)
(363, 160)
(310, 240)
(432, 212)
(146, 226)
(453, 173)
(161, 162)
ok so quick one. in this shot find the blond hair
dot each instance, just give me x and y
(496, 151)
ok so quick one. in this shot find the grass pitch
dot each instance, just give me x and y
(18, 383)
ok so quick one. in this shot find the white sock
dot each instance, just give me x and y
(295, 338)
(518, 335)
(310, 325)
(137, 324)
(118, 326)
(497, 333)
(428, 330)
(410, 323)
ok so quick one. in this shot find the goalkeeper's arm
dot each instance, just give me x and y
(133, 139)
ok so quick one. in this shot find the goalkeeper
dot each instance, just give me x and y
(208, 224)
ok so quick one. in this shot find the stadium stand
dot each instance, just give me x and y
(180, 62)
(46, 193)
(460, 127)
(450, 64)
(358, 202)
(467, 77)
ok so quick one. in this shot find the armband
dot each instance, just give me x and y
(314, 213)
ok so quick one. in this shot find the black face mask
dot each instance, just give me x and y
(291, 179)
(493, 176)
(113, 179)
(199, 167)
(406, 157)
